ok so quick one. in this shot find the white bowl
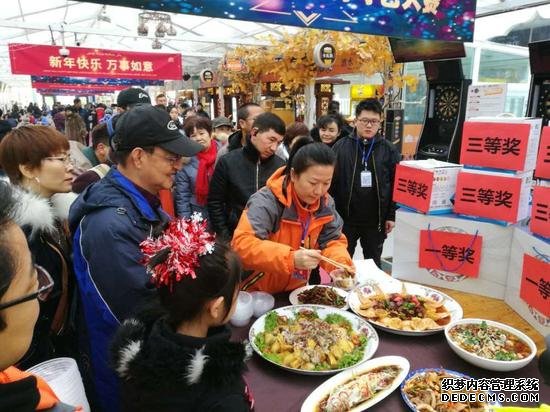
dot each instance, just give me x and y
(490, 364)
(243, 311)
(262, 302)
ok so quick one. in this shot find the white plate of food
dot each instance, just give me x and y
(422, 387)
(490, 345)
(313, 339)
(404, 308)
(320, 295)
(359, 388)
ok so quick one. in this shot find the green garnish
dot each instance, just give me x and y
(338, 320)
(350, 359)
(259, 340)
(273, 357)
(505, 356)
(270, 321)
(483, 325)
(408, 305)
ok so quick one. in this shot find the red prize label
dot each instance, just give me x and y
(488, 196)
(535, 284)
(451, 252)
(413, 187)
(540, 214)
(542, 170)
(43, 60)
(498, 145)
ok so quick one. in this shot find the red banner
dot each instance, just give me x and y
(540, 214)
(498, 145)
(542, 170)
(84, 87)
(451, 252)
(488, 196)
(84, 62)
(535, 284)
(413, 187)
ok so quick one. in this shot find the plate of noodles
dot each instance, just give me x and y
(320, 295)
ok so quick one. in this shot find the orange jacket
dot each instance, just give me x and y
(270, 231)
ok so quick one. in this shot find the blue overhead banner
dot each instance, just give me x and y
(62, 80)
(451, 20)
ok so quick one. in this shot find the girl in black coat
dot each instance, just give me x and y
(183, 360)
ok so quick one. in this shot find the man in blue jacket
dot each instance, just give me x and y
(110, 219)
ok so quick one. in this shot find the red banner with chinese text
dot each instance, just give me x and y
(413, 187)
(535, 284)
(540, 213)
(451, 252)
(85, 62)
(498, 145)
(542, 170)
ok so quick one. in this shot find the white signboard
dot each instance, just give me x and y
(486, 100)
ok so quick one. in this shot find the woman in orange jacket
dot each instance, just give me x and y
(291, 223)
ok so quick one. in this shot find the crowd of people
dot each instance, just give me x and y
(131, 260)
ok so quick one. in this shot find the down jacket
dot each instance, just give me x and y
(270, 230)
(163, 371)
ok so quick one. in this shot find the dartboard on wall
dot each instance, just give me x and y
(544, 101)
(447, 102)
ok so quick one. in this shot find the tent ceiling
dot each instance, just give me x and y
(201, 40)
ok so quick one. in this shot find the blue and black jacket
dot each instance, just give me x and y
(108, 221)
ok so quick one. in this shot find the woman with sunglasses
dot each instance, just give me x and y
(22, 285)
(39, 176)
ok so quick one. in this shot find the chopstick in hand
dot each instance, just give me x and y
(339, 265)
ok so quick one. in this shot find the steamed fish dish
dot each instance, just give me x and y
(308, 342)
(359, 389)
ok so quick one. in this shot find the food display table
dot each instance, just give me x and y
(275, 389)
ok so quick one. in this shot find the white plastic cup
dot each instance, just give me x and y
(62, 375)
(263, 302)
(243, 311)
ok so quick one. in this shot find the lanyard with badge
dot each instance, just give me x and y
(366, 175)
(302, 274)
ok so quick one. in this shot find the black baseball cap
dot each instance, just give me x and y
(146, 126)
(132, 95)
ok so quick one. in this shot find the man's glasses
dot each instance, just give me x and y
(45, 286)
(173, 160)
(66, 160)
(365, 121)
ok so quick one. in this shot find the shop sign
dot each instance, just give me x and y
(413, 187)
(43, 60)
(488, 196)
(452, 252)
(535, 284)
(423, 19)
(496, 145)
(235, 65)
(542, 170)
(540, 214)
(363, 91)
(324, 55)
(206, 76)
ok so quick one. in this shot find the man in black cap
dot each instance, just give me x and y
(110, 219)
(131, 96)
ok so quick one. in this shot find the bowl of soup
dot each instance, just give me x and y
(490, 345)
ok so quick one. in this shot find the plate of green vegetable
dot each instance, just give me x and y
(313, 339)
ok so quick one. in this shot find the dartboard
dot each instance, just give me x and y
(447, 101)
(544, 102)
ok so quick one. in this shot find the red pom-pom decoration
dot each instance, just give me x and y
(185, 240)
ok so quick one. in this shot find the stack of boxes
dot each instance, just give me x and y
(490, 201)
(528, 286)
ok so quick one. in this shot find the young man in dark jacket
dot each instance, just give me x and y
(241, 173)
(110, 219)
(362, 184)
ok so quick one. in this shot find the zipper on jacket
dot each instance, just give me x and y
(377, 193)
(352, 180)
(258, 175)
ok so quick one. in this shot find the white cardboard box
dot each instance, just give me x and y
(494, 182)
(442, 183)
(524, 242)
(493, 270)
(535, 128)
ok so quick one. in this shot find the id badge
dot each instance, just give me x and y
(366, 179)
